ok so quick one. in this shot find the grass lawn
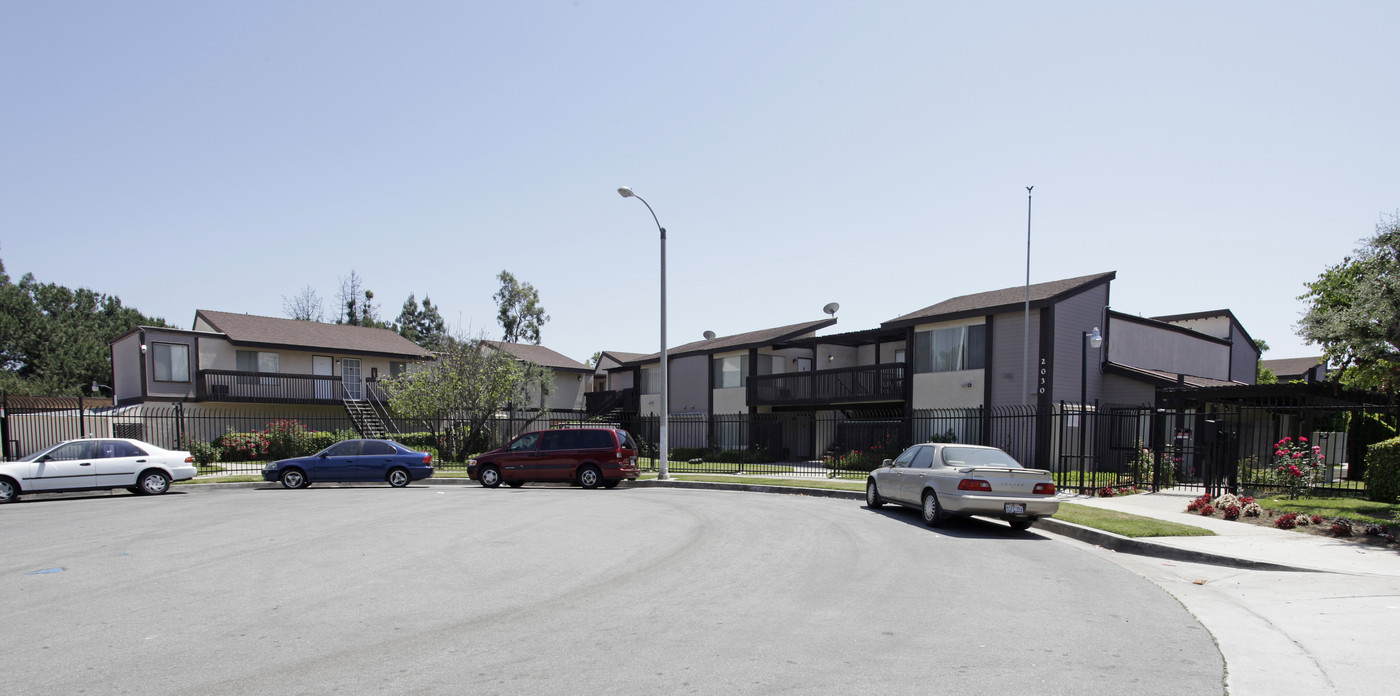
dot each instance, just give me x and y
(1124, 524)
(1332, 508)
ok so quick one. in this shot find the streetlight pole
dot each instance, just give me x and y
(1086, 340)
(665, 406)
(1026, 329)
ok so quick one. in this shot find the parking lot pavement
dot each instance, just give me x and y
(450, 589)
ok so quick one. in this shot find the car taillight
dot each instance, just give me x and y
(427, 457)
(974, 485)
(1044, 489)
(189, 460)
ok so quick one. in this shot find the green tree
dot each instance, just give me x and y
(54, 340)
(422, 325)
(458, 395)
(519, 311)
(1263, 375)
(1354, 312)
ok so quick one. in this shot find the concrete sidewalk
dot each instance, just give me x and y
(1236, 544)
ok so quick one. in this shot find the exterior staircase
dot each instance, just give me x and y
(366, 419)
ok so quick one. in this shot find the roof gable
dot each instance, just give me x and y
(1041, 295)
(253, 330)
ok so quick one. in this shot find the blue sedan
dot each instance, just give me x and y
(353, 460)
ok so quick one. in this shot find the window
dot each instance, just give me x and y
(377, 447)
(73, 450)
(172, 362)
(923, 459)
(732, 371)
(397, 369)
(257, 361)
(899, 355)
(111, 449)
(651, 380)
(347, 448)
(945, 350)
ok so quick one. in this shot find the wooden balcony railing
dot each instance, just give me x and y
(863, 384)
(268, 387)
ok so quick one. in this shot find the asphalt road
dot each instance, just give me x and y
(555, 590)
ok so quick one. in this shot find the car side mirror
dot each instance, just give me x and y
(887, 463)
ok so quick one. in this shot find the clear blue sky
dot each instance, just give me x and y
(204, 155)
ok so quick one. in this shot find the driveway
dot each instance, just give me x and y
(554, 590)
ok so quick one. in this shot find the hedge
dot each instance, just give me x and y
(1383, 471)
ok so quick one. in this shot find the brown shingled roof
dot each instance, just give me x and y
(252, 330)
(752, 339)
(541, 356)
(1005, 299)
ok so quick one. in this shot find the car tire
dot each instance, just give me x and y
(293, 478)
(590, 477)
(933, 510)
(398, 477)
(872, 496)
(1021, 525)
(489, 476)
(152, 482)
(516, 484)
(9, 492)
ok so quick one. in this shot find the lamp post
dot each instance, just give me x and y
(665, 407)
(1087, 339)
(97, 389)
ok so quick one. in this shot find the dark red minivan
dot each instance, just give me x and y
(590, 457)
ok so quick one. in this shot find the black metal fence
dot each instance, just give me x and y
(1087, 448)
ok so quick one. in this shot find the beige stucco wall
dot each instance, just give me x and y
(946, 390)
(730, 400)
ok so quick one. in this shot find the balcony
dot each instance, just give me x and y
(846, 385)
(277, 388)
(623, 400)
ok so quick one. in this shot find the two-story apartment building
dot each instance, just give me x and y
(571, 379)
(1018, 347)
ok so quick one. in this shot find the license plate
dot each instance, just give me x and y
(1015, 508)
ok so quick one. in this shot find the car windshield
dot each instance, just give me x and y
(976, 456)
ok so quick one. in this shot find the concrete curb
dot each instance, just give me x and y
(1138, 547)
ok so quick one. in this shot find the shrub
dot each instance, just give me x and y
(204, 453)
(421, 441)
(1288, 520)
(287, 438)
(1252, 509)
(688, 453)
(242, 447)
(1374, 529)
(1232, 512)
(1317, 519)
(1383, 471)
(1297, 466)
(1341, 527)
(1198, 503)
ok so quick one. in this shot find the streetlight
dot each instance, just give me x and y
(1094, 339)
(97, 389)
(665, 407)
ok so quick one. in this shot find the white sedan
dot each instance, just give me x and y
(95, 464)
(944, 480)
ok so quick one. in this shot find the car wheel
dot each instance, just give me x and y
(1021, 525)
(293, 478)
(872, 496)
(589, 477)
(153, 483)
(9, 492)
(398, 478)
(933, 511)
(489, 476)
(516, 484)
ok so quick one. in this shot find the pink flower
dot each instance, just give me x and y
(1302, 439)
(1297, 455)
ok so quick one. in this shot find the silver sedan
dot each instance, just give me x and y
(945, 480)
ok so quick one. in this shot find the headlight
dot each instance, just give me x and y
(471, 462)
